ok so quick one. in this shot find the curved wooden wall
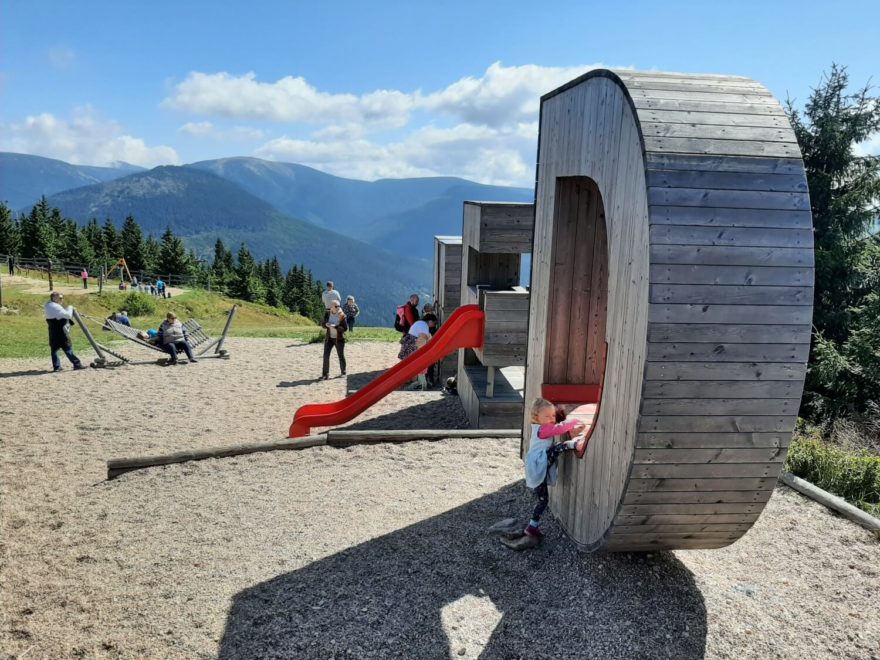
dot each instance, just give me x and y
(709, 302)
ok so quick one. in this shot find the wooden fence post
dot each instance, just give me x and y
(49, 270)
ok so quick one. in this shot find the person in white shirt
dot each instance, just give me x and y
(330, 296)
(59, 319)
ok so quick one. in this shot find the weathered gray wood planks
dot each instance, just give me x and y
(700, 188)
(494, 237)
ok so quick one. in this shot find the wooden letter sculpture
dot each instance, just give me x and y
(673, 222)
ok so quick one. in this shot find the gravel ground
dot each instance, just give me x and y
(372, 551)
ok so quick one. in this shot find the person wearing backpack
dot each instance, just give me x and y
(407, 314)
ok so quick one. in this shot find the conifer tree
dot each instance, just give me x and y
(131, 239)
(151, 254)
(9, 241)
(273, 281)
(292, 291)
(95, 237)
(112, 244)
(844, 195)
(36, 233)
(222, 267)
(173, 259)
(245, 283)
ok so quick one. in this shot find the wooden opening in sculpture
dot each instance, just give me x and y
(574, 366)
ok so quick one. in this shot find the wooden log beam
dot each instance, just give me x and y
(118, 466)
(838, 504)
(348, 438)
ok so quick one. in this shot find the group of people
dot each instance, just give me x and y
(171, 335)
(416, 330)
(338, 319)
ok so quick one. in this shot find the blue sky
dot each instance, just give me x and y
(374, 89)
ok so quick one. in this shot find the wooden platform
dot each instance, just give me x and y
(504, 410)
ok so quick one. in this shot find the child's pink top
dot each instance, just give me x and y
(549, 430)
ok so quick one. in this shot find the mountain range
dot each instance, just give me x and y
(374, 239)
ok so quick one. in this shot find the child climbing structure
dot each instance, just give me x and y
(672, 221)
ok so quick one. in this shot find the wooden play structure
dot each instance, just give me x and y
(495, 235)
(447, 289)
(672, 222)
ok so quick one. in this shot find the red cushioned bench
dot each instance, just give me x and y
(581, 402)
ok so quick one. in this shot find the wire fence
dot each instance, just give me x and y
(54, 270)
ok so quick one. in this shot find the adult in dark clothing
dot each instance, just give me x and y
(411, 311)
(59, 320)
(335, 327)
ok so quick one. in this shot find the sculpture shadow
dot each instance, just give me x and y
(433, 414)
(442, 588)
(29, 372)
(359, 380)
(298, 383)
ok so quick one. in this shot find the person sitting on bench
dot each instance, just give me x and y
(172, 337)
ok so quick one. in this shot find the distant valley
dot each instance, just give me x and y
(374, 239)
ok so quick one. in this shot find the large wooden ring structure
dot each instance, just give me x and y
(672, 221)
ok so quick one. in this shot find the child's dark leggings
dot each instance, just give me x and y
(541, 491)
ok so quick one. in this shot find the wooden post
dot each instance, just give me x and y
(101, 282)
(95, 346)
(49, 270)
(1, 292)
(490, 382)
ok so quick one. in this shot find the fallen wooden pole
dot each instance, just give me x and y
(343, 438)
(117, 466)
(831, 501)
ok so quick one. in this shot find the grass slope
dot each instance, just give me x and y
(24, 334)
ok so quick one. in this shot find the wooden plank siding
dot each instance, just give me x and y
(506, 327)
(495, 235)
(709, 301)
(447, 274)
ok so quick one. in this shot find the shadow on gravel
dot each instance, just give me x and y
(432, 414)
(297, 383)
(443, 588)
(31, 372)
(357, 381)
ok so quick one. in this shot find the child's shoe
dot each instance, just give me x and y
(522, 542)
(536, 532)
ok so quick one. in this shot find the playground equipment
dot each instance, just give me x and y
(495, 235)
(447, 288)
(672, 221)
(196, 336)
(463, 329)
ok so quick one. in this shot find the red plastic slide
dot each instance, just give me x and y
(463, 329)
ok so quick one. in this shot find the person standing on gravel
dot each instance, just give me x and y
(59, 319)
(330, 296)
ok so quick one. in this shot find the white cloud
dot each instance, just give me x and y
(492, 140)
(61, 57)
(501, 95)
(85, 139)
(479, 153)
(287, 100)
(870, 147)
(207, 130)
